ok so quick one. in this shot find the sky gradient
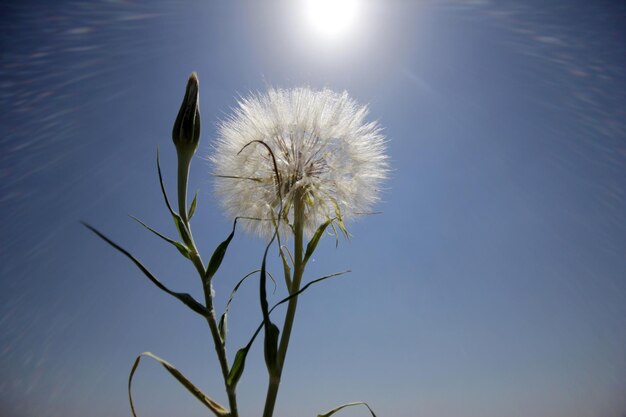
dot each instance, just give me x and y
(492, 283)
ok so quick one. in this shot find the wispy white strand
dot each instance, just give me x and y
(322, 146)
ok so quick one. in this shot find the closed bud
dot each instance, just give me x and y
(186, 132)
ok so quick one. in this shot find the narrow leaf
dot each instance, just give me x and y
(216, 408)
(192, 208)
(284, 300)
(186, 299)
(181, 248)
(222, 327)
(310, 247)
(339, 218)
(281, 251)
(238, 365)
(271, 331)
(334, 410)
(182, 229)
(255, 179)
(178, 221)
(232, 294)
(301, 290)
(218, 255)
(167, 201)
(269, 149)
(332, 225)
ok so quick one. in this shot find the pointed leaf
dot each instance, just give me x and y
(182, 229)
(332, 225)
(310, 247)
(167, 201)
(271, 347)
(218, 255)
(192, 208)
(178, 221)
(271, 331)
(334, 410)
(284, 300)
(339, 218)
(186, 299)
(238, 366)
(215, 407)
(181, 248)
(222, 327)
(301, 290)
(224, 317)
(281, 251)
(232, 294)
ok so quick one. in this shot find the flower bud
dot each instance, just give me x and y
(186, 132)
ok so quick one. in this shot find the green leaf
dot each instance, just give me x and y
(167, 201)
(216, 408)
(310, 247)
(339, 218)
(301, 290)
(281, 251)
(186, 299)
(332, 225)
(222, 327)
(269, 149)
(224, 317)
(255, 179)
(178, 221)
(192, 208)
(238, 365)
(334, 410)
(271, 330)
(271, 347)
(284, 300)
(181, 228)
(181, 248)
(218, 255)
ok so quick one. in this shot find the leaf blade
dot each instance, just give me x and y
(238, 366)
(167, 200)
(184, 250)
(185, 298)
(218, 256)
(212, 405)
(192, 208)
(271, 330)
(334, 410)
(310, 247)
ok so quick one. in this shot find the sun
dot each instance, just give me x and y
(331, 18)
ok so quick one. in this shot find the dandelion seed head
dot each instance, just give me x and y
(298, 143)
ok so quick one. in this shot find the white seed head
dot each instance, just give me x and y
(298, 143)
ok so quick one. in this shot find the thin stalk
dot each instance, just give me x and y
(184, 162)
(220, 349)
(298, 225)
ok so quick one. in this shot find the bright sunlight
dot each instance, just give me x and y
(331, 18)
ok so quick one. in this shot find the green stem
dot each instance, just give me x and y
(183, 174)
(217, 339)
(184, 162)
(298, 225)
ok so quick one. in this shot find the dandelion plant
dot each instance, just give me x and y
(290, 166)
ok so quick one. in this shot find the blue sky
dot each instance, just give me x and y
(492, 283)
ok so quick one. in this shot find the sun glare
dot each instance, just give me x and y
(331, 18)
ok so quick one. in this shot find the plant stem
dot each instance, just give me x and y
(274, 383)
(220, 349)
(217, 340)
(184, 162)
